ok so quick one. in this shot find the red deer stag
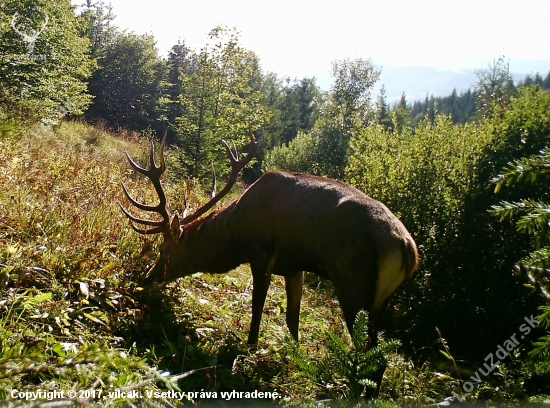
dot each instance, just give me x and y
(284, 224)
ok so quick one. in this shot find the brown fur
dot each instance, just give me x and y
(287, 223)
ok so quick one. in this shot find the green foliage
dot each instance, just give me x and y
(181, 61)
(346, 369)
(217, 100)
(294, 105)
(350, 94)
(87, 373)
(423, 176)
(526, 170)
(382, 109)
(44, 61)
(434, 177)
(539, 357)
(531, 216)
(66, 267)
(126, 87)
(324, 150)
(98, 27)
(529, 126)
(494, 87)
(300, 155)
(522, 129)
(129, 85)
(73, 312)
(462, 108)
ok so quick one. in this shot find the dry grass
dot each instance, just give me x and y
(73, 313)
(71, 270)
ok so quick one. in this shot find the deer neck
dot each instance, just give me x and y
(210, 245)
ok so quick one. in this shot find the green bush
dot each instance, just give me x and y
(435, 178)
(44, 79)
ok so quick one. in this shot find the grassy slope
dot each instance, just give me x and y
(70, 272)
(73, 315)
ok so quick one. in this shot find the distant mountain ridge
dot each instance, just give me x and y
(417, 82)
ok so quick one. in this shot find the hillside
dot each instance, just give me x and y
(417, 82)
(73, 313)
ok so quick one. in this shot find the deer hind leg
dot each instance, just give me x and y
(352, 300)
(354, 281)
(293, 285)
(261, 279)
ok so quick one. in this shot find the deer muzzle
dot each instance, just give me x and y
(156, 273)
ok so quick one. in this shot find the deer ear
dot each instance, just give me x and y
(175, 227)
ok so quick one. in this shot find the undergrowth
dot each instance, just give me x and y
(74, 315)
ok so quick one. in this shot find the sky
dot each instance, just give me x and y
(300, 38)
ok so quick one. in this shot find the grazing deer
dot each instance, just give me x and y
(284, 224)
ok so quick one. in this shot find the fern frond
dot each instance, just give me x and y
(375, 358)
(307, 367)
(539, 357)
(345, 369)
(544, 318)
(339, 355)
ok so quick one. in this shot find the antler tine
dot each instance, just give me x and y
(236, 166)
(232, 153)
(140, 220)
(154, 166)
(151, 231)
(154, 170)
(214, 182)
(136, 166)
(159, 226)
(153, 174)
(137, 203)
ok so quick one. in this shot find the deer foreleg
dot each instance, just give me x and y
(293, 286)
(261, 278)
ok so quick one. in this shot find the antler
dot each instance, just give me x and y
(153, 174)
(236, 166)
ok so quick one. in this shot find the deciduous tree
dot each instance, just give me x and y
(44, 62)
(218, 100)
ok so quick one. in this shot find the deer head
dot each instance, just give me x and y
(31, 37)
(172, 259)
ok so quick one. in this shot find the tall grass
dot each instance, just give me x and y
(65, 258)
(74, 314)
